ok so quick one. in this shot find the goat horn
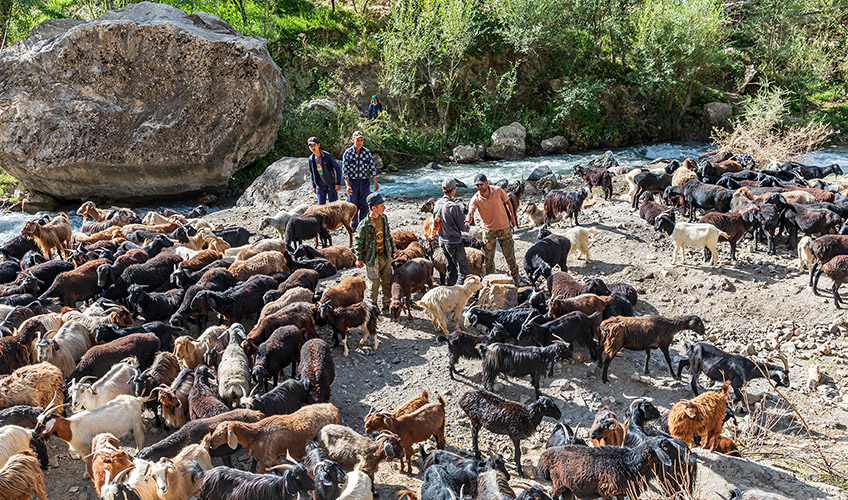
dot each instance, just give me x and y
(782, 357)
(253, 391)
(120, 475)
(530, 319)
(50, 404)
(86, 378)
(558, 338)
(108, 473)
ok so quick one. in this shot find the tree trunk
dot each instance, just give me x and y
(5, 19)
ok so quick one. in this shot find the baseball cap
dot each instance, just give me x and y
(313, 140)
(375, 199)
(480, 179)
(448, 184)
(358, 133)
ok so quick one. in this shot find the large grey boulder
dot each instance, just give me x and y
(143, 101)
(508, 142)
(555, 144)
(284, 184)
(468, 154)
(606, 160)
(718, 113)
(539, 172)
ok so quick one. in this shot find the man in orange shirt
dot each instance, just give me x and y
(496, 212)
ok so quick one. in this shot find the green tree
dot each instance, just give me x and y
(425, 46)
(677, 44)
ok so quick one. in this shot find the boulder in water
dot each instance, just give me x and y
(606, 160)
(508, 142)
(555, 144)
(143, 101)
(539, 172)
(468, 154)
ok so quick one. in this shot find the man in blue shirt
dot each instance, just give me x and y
(359, 170)
(451, 223)
(325, 172)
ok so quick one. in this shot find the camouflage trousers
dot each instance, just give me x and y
(504, 237)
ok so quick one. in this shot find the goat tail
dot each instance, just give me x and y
(724, 235)
(422, 305)
(63, 214)
(683, 363)
(725, 389)
(441, 401)
(441, 338)
(423, 453)
(409, 494)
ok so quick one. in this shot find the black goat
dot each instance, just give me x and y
(214, 280)
(157, 306)
(696, 194)
(224, 482)
(237, 303)
(564, 435)
(574, 328)
(152, 249)
(153, 274)
(288, 397)
(462, 472)
(812, 172)
(9, 270)
(280, 350)
(550, 251)
(808, 220)
(569, 203)
(307, 227)
(327, 474)
(510, 319)
(107, 332)
(648, 181)
(464, 345)
(234, 236)
(17, 247)
(517, 361)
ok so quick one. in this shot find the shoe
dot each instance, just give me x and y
(517, 280)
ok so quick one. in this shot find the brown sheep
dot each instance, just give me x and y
(55, 235)
(339, 213)
(476, 262)
(350, 291)
(32, 385)
(299, 314)
(21, 477)
(414, 250)
(701, 416)
(339, 256)
(403, 239)
(734, 225)
(290, 296)
(271, 244)
(200, 260)
(725, 446)
(588, 304)
(262, 263)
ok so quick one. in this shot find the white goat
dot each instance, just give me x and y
(190, 352)
(686, 234)
(66, 347)
(120, 416)
(443, 299)
(357, 485)
(114, 383)
(13, 438)
(805, 258)
(631, 182)
(280, 220)
(174, 479)
(233, 370)
(579, 238)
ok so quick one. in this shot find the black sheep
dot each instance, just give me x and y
(9, 270)
(550, 251)
(99, 359)
(648, 181)
(234, 236)
(238, 302)
(280, 350)
(217, 280)
(153, 274)
(696, 194)
(813, 172)
(316, 365)
(108, 332)
(307, 227)
(17, 247)
(224, 482)
(157, 306)
(287, 397)
(46, 272)
(152, 249)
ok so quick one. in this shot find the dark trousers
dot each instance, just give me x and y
(326, 194)
(361, 189)
(455, 260)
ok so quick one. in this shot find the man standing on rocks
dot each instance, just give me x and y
(374, 248)
(496, 212)
(325, 172)
(359, 170)
(447, 215)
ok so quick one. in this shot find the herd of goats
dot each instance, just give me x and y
(146, 313)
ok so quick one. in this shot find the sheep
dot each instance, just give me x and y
(649, 210)
(27, 284)
(402, 239)
(457, 473)
(176, 479)
(574, 328)
(549, 251)
(276, 436)
(606, 471)
(15, 351)
(647, 181)
(299, 314)
(407, 279)
(108, 273)
(22, 415)
(162, 372)
(90, 318)
(190, 352)
(21, 477)
(685, 234)
(280, 220)
(606, 429)
(106, 460)
(214, 280)
(155, 306)
(174, 399)
(306, 278)
(413, 250)
(338, 214)
(287, 397)
(194, 431)
(120, 416)
(54, 235)
(837, 270)
(425, 422)
(153, 274)
(17, 247)
(696, 194)
(703, 415)
(223, 482)
(505, 417)
(14, 438)
(200, 260)
(100, 358)
(108, 332)
(290, 296)
(9, 269)
(373, 419)
(152, 249)
(316, 365)
(202, 402)
(515, 361)
(280, 350)
(596, 177)
(305, 227)
(561, 284)
(509, 319)
(339, 256)
(116, 382)
(31, 385)
(643, 334)
(476, 262)
(734, 225)
(237, 303)
(682, 175)
(441, 300)
(464, 345)
(347, 448)
(17, 316)
(569, 203)
(362, 315)
(812, 172)
(823, 249)
(272, 244)
(262, 263)
(233, 371)
(77, 285)
(579, 239)
(808, 220)
(322, 266)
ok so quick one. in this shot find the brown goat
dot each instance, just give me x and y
(339, 213)
(55, 235)
(200, 260)
(606, 429)
(420, 425)
(407, 279)
(158, 228)
(350, 291)
(725, 446)
(21, 477)
(588, 304)
(702, 415)
(410, 406)
(403, 238)
(106, 460)
(274, 437)
(88, 209)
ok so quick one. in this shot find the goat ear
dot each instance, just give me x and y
(232, 440)
(387, 448)
(690, 412)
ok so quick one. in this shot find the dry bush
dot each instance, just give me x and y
(764, 136)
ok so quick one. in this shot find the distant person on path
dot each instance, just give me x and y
(374, 248)
(325, 172)
(493, 205)
(375, 108)
(359, 169)
(447, 215)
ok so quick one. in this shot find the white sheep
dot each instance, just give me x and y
(805, 258)
(116, 382)
(579, 238)
(233, 370)
(443, 299)
(280, 220)
(681, 175)
(685, 234)
(357, 485)
(13, 438)
(66, 347)
(174, 478)
(290, 296)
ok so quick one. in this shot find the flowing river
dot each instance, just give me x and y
(425, 182)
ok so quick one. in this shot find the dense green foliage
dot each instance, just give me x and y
(600, 72)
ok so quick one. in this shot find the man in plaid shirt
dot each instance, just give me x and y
(359, 170)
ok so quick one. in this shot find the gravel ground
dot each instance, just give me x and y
(757, 304)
